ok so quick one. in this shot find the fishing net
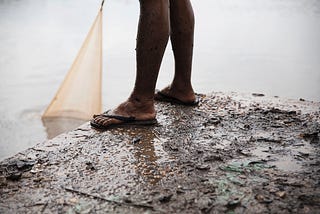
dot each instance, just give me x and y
(79, 95)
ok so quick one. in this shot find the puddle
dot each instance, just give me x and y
(145, 152)
(287, 163)
(286, 158)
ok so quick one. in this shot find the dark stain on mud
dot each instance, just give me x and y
(230, 154)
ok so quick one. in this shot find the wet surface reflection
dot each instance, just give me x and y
(290, 158)
(149, 160)
(145, 155)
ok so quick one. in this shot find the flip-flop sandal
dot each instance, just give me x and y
(126, 121)
(159, 96)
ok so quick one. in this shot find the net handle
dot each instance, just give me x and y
(101, 5)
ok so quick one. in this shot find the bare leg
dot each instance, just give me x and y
(153, 35)
(152, 38)
(182, 33)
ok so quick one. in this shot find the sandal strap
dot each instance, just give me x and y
(118, 117)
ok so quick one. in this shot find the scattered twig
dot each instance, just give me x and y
(38, 150)
(208, 210)
(37, 204)
(109, 200)
(44, 207)
(21, 153)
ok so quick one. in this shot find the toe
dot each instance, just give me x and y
(105, 121)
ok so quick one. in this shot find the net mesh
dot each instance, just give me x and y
(79, 95)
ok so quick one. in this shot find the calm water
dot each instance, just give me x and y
(266, 46)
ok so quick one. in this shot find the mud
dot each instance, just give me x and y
(232, 154)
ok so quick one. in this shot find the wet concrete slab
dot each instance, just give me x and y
(233, 153)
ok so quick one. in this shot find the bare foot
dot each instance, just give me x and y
(185, 96)
(132, 108)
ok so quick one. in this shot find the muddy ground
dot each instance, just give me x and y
(231, 154)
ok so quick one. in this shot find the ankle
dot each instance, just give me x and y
(182, 89)
(181, 83)
(141, 100)
(144, 104)
(185, 94)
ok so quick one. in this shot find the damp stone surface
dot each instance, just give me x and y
(234, 153)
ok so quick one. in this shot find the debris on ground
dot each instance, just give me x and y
(231, 154)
